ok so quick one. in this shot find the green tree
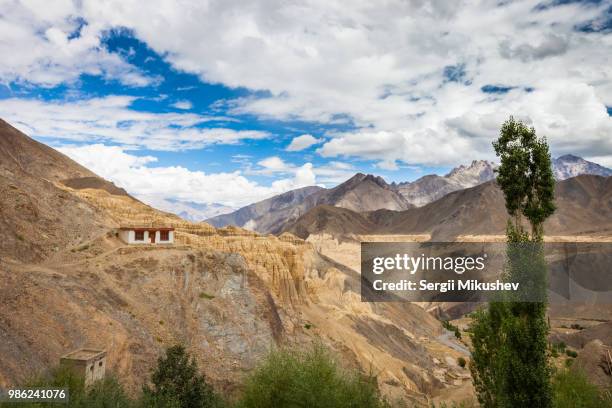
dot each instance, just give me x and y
(177, 383)
(509, 363)
(526, 178)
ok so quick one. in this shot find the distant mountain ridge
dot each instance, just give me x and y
(362, 192)
(584, 206)
(432, 187)
(366, 192)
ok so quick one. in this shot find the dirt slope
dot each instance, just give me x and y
(67, 281)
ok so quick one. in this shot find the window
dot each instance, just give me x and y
(164, 235)
(139, 236)
(100, 364)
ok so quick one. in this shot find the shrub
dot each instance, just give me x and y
(311, 378)
(560, 347)
(571, 353)
(571, 389)
(461, 361)
(451, 327)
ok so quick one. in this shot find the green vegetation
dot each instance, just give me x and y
(571, 353)
(311, 378)
(285, 379)
(204, 295)
(451, 327)
(106, 393)
(461, 361)
(572, 390)
(177, 383)
(509, 358)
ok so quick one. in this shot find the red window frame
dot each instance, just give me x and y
(138, 235)
(164, 235)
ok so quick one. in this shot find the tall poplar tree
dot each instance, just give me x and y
(509, 360)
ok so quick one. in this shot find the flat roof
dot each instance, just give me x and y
(147, 228)
(85, 354)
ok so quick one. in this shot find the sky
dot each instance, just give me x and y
(216, 104)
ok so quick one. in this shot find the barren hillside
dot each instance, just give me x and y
(67, 281)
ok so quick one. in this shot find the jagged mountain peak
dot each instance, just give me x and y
(569, 157)
(569, 165)
(360, 178)
(475, 168)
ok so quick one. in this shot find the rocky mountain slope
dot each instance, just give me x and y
(584, 206)
(360, 193)
(569, 166)
(266, 212)
(67, 281)
(432, 187)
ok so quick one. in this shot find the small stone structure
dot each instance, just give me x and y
(88, 363)
(146, 235)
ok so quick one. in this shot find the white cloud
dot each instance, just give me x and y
(382, 67)
(273, 164)
(161, 185)
(379, 67)
(329, 174)
(182, 105)
(302, 142)
(46, 44)
(110, 119)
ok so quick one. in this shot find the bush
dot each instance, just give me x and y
(572, 390)
(559, 347)
(461, 361)
(311, 378)
(571, 353)
(451, 327)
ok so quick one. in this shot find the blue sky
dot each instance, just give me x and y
(223, 103)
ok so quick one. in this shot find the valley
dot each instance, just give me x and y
(231, 294)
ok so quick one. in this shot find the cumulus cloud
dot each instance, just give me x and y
(48, 44)
(381, 69)
(302, 142)
(161, 185)
(110, 119)
(328, 174)
(182, 105)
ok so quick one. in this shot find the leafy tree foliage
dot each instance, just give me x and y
(177, 383)
(525, 176)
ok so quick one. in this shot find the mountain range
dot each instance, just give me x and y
(367, 193)
(584, 206)
(360, 193)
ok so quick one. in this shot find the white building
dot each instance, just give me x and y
(147, 235)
